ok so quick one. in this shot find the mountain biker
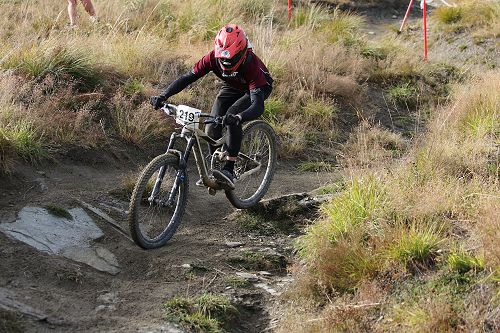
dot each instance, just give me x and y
(246, 84)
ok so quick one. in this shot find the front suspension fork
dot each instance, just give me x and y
(180, 176)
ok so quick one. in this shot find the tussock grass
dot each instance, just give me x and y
(58, 62)
(416, 217)
(138, 125)
(205, 313)
(19, 139)
(416, 246)
(371, 146)
(462, 262)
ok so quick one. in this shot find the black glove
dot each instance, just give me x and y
(157, 101)
(231, 119)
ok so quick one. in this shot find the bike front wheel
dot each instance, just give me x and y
(156, 209)
(255, 165)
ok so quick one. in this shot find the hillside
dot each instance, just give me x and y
(404, 154)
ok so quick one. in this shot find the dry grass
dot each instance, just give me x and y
(411, 228)
(371, 146)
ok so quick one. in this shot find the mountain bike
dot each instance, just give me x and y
(159, 198)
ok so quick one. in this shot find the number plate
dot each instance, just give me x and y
(188, 117)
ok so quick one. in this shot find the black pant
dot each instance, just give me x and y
(233, 101)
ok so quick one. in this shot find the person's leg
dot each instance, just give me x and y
(236, 132)
(225, 99)
(72, 11)
(89, 7)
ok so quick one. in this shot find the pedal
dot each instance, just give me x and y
(223, 181)
(212, 191)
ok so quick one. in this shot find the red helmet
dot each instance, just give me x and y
(231, 47)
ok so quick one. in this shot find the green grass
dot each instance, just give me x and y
(237, 282)
(374, 52)
(20, 139)
(58, 211)
(342, 26)
(207, 313)
(274, 108)
(462, 262)
(320, 113)
(361, 200)
(316, 166)
(417, 246)
(403, 94)
(57, 62)
(133, 87)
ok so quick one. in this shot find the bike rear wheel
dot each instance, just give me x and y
(255, 166)
(153, 219)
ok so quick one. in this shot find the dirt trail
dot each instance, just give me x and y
(77, 298)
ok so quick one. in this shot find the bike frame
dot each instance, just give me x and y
(192, 138)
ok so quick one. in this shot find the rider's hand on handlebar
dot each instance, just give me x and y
(157, 101)
(231, 119)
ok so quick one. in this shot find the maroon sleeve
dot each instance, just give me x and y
(256, 74)
(203, 66)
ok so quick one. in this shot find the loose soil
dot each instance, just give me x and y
(69, 292)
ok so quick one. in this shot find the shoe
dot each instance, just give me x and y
(225, 178)
(199, 183)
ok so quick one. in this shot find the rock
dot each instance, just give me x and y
(289, 206)
(234, 244)
(108, 298)
(267, 288)
(161, 328)
(371, 33)
(99, 258)
(36, 227)
(42, 185)
(264, 273)
(394, 16)
(9, 303)
(248, 276)
(105, 308)
(186, 266)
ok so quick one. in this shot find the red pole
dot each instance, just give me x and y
(406, 16)
(290, 10)
(425, 29)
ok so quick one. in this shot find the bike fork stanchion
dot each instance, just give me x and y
(180, 176)
(157, 186)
